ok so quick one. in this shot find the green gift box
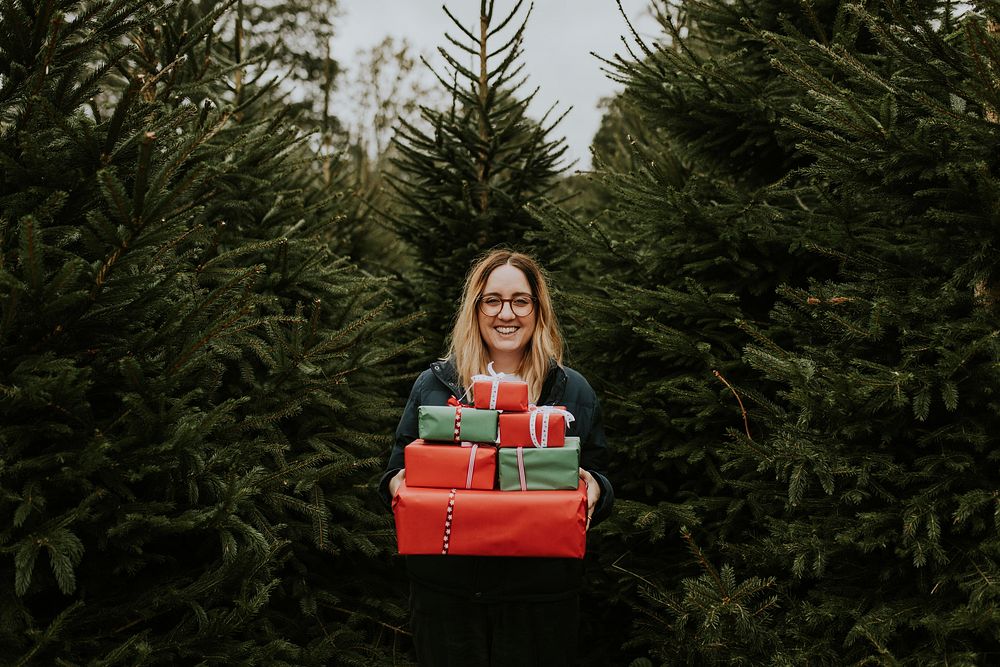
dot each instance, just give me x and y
(438, 423)
(544, 468)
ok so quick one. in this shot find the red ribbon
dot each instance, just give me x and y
(458, 405)
(447, 522)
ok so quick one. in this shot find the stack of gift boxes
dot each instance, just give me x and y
(499, 478)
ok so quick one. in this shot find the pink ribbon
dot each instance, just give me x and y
(472, 465)
(520, 468)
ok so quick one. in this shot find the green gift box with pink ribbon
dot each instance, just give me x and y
(540, 468)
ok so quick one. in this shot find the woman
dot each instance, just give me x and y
(470, 610)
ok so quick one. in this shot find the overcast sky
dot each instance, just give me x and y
(559, 39)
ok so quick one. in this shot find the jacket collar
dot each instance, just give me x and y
(445, 372)
(553, 388)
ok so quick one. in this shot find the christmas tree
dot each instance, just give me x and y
(462, 184)
(695, 238)
(874, 469)
(190, 378)
(793, 300)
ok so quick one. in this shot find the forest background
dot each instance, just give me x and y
(779, 278)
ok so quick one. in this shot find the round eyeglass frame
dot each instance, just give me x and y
(482, 306)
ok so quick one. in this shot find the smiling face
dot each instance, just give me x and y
(506, 335)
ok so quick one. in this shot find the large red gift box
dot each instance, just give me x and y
(464, 522)
(549, 428)
(496, 394)
(470, 466)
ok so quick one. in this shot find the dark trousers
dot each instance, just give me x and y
(451, 631)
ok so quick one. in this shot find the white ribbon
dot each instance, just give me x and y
(547, 411)
(494, 379)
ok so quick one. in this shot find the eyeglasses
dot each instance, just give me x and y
(521, 306)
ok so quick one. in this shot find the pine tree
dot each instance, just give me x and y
(809, 221)
(710, 216)
(462, 185)
(695, 238)
(189, 376)
(876, 470)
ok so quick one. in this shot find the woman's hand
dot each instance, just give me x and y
(593, 493)
(396, 480)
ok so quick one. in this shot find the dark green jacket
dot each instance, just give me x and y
(497, 578)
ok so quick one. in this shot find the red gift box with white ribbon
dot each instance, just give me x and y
(467, 522)
(470, 466)
(541, 426)
(498, 391)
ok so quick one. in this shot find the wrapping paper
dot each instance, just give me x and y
(437, 423)
(491, 523)
(545, 469)
(500, 395)
(516, 430)
(499, 391)
(442, 466)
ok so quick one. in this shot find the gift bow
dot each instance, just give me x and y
(547, 411)
(493, 375)
(494, 378)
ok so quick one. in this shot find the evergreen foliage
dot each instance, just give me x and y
(190, 378)
(782, 281)
(462, 185)
(695, 239)
(876, 477)
(808, 219)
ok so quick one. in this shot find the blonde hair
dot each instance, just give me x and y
(466, 348)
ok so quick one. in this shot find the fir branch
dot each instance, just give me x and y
(222, 325)
(743, 410)
(353, 614)
(51, 633)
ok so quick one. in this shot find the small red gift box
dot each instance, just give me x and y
(464, 522)
(495, 395)
(541, 426)
(497, 391)
(471, 466)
